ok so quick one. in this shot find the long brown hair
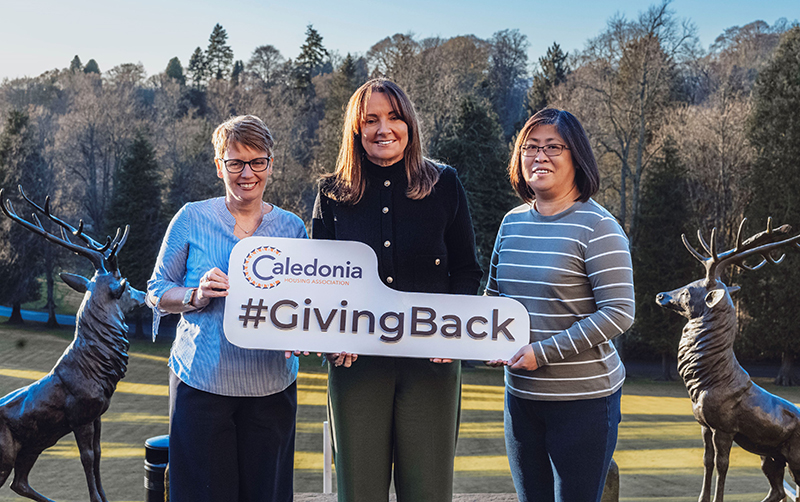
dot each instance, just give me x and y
(587, 175)
(347, 184)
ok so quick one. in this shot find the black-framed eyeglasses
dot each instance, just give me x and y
(258, 165)
(549, 150)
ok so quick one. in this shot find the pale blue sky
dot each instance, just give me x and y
(38, 35)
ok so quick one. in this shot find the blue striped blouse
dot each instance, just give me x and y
(199, 238)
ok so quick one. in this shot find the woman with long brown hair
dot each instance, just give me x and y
(413, 213)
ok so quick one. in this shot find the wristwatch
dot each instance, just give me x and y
(189, 297)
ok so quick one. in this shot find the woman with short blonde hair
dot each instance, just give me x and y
(232, 410)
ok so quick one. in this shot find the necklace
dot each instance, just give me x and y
(236, 223)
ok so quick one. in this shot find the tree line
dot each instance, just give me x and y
(686, 138)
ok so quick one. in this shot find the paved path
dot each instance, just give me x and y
(459, 497)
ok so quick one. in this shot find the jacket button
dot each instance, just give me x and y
(387, 183)
(385, 210)
(389, 279)
(438, 261)
(386, 244)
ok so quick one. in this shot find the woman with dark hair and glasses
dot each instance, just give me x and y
(413, 214)
(567, 260)
(232, 410)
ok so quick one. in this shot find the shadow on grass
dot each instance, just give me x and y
(659, 450)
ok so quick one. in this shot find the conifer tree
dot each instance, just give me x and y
(312, 55)
(768, 293)
(238, 69)
(137, 202)
(21, 259)
(174, 70)
(474, 146)
(198, 69)
(91, 67)
(75, 65)
(659, 260)
(344, 81)
(219, 55)
(553, 70)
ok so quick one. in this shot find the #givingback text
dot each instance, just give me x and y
(424, 321)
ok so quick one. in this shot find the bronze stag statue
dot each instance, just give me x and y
(77, 391)
(725, 401)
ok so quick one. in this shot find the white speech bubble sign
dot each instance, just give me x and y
(326, 296)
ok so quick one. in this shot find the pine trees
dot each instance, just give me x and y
(658, 263)
(21, 259)
(75, 65)
(198, 69)
(238, 69)
(174, 70)
(309, 62)
(775, 132)
(475, 147)
(91, 67)
(553, 70)
(343, 83)
(215, 63)
(137, 202)
(219, 55)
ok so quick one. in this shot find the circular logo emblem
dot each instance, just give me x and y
(257, 267)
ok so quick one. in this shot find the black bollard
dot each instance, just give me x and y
(156, 457)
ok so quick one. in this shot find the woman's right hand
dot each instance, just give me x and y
(496, 362)
(342, 359)
(213, 284)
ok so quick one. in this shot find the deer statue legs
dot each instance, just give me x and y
(88, 439)
(773, 469)
(720, 444)
(708, 465)
(20, 485)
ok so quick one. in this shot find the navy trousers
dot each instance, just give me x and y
(232, 449)
(559, 451)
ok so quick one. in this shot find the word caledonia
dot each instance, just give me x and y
(326, 296)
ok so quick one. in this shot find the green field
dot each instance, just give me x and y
(659, 451)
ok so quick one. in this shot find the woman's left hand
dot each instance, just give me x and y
(440, 360)
(524, 359)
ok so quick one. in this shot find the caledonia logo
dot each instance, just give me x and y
(265, 267)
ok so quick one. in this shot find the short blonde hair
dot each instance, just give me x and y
(246, 130)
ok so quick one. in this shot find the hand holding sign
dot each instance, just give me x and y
(325, 296)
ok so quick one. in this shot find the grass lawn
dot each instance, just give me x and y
(659, 450)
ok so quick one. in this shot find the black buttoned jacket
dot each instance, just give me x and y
(425, 245)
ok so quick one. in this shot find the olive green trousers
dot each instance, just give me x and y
(400, 411)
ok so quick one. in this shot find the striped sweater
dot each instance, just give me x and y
(572, 271)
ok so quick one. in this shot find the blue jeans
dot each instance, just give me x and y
(232, 449)
(559, 451)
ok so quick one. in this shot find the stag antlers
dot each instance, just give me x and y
(99, 255)
(762, 243)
